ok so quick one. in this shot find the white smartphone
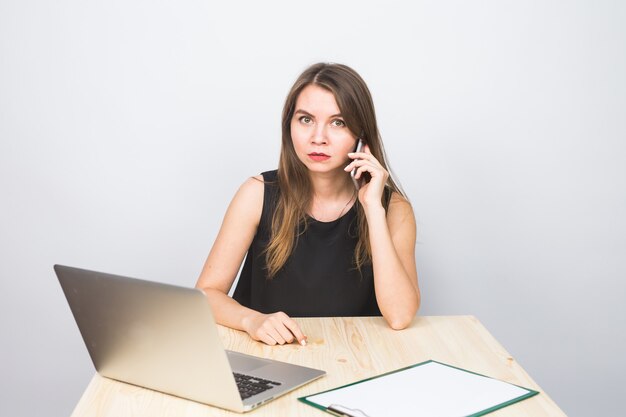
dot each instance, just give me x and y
(359, 148)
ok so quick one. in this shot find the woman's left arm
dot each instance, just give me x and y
(392, 239)
(392, 236)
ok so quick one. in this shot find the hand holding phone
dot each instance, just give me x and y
(359, 148)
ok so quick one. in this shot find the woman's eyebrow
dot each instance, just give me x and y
(309, 114)
(303, 112)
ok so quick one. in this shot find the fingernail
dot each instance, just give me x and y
(303, 342)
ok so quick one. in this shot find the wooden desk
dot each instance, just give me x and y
(348, 349)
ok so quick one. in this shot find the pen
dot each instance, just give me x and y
(342, 411)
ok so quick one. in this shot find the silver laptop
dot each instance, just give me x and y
(163, 337)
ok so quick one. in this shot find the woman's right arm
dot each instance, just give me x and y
(220, 269)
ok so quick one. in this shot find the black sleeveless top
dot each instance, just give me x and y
(319, 278)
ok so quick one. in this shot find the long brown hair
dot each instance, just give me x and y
(357, 108)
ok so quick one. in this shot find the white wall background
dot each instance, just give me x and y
(126, 127)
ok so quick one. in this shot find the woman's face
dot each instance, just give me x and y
(318, 131)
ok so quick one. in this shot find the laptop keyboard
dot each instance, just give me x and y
(251, 385)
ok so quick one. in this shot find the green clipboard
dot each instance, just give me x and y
(429, 388)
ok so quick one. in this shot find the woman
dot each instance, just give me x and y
(315, 245)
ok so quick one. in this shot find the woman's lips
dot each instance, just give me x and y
(318, 157)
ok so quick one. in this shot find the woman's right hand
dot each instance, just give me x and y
(272, 329)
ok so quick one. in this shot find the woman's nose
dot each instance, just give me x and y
(319, 135)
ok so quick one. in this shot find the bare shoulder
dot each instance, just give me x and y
(251, 190)
(248, 201)
(400, 208)
(400, 217)
(252, 184)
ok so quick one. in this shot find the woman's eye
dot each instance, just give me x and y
(338, 122)
(305, 119)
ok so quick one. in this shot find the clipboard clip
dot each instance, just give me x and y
(342, 411)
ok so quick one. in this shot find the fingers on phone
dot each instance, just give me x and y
(354, 164)
(361, 170)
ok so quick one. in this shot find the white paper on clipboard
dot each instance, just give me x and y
(429, 389)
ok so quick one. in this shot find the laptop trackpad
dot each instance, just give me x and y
(245, 363)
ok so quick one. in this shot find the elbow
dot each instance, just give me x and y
(207, 290)
(399, 314)
(401, 322)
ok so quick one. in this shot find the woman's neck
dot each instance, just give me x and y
(331, 187)
(332, 197)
